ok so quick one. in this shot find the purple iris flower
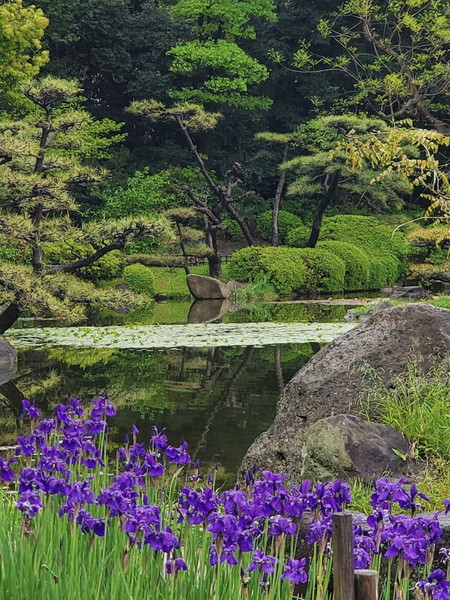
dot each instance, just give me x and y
(158, 440)
(164, 540)
(174, 565)
(279, 525)
(103, 407)
(29, 410)
(6, 473)
(89, 523)
(178, 456)
(262, 561)
(435, 586)
(318, 530)
(25, 445)
(46, 426)
(30, 503)
(295, 571)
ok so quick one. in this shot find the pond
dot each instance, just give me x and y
(214, 385)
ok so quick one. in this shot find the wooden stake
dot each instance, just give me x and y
(343, 572)
(366, 584)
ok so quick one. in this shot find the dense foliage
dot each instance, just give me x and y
(140, 279)
(219, 108)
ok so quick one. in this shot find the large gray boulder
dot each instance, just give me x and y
(207, 288)
(8, 361)
(339, 376)
(348, 447)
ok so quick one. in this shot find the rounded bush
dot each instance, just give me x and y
(108, 266)
(357, 264)
(244, 265)
(387, 253)
(385, 269)
(286, 222)
(298, 237)
(289, 269)
(326, 271)
(365, 232)
(285, 271)
(139, 279)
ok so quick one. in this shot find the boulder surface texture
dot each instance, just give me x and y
(337, 379)
(8, 361)
(207, 288)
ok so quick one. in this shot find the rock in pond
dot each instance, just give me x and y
(336, 379)
(409, 292)
(207, 288)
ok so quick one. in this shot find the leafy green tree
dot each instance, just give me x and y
(221, 72)
(396, 54)
(21, 53)
(326, 177)
(41, 157)
(221, 199)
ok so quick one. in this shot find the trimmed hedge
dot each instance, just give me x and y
(289, 269)
(139, 279)
(326, 270)
(357, 264)
(286, 222)
(365, 232)
(298, 237)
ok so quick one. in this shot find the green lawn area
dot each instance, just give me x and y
(172, 281)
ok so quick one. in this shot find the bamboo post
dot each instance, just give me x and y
(343, 571)
(366, 584)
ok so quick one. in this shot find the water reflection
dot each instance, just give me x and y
(219, 399)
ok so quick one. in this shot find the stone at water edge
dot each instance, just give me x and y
(336, 379)
(410, 292)
(207, 288)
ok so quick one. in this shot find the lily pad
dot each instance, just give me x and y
(169, 336)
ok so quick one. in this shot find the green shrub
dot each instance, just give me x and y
(286, 222)
(357, 264)
(232, 231)
(289, 269)
(9, 254)
(366, 233)
(140, 279)
(326, 271)
(286, 271)
(245, 264)
(385, 269)
(298, 237)
(108, 266)
(387, 253)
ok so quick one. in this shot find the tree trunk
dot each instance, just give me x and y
(8, 317)
(330, 186)
(183, 249)
(277, 200)
(242, 224)
(214, 259)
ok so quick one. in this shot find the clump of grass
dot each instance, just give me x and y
(260, 288)
(419, 407)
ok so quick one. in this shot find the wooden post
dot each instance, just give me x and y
(366, 584)
(343, 571)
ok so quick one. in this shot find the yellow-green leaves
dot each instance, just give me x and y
(21, 54)
(192, 116)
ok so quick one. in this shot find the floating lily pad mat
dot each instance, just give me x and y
(170, 336)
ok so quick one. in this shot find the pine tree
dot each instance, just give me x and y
(41, 157)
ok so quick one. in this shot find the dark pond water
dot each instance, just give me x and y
(218, 399)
